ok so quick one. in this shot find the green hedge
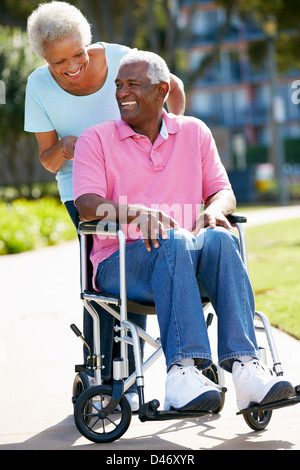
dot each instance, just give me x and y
(27, 225)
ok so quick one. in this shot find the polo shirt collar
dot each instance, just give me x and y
(172, 122)
(170, 125)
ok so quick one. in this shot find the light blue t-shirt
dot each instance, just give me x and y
(48, 107)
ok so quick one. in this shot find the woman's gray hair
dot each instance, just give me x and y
(53, 21)
(158, 70)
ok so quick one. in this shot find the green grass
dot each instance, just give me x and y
(27, 225)
(274, 266)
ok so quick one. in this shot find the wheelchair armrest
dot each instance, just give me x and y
(236, 218)
(98, 227)
(102, 227)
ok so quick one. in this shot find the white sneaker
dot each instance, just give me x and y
(187, 390)
(133, 399)
(254, 384)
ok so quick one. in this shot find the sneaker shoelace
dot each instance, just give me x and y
(248, 369)
(192, 371)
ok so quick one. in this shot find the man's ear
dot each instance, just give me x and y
(162, 90)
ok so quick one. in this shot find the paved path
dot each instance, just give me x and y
(265, 216)
(39, 300)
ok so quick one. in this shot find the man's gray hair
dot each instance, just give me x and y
(158, 70)
(53, 21)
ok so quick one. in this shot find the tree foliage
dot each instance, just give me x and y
(16, 63)
(146, 24)
(286, 15)
(154, 25)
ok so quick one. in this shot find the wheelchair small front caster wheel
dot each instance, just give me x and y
(91, 419)
(258, 420)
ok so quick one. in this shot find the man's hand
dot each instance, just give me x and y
(211, 219)
(151, 223)
(218, 206)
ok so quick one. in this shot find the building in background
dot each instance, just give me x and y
(233, 97)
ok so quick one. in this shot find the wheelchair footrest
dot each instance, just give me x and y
(149, 412)
(274, 405)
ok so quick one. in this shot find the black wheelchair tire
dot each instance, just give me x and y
(80, 384)
(258, 420)
(83, 419)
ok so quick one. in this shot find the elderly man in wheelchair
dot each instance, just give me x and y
(150, 172)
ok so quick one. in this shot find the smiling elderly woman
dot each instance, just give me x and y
(75, 90)
(53, 21)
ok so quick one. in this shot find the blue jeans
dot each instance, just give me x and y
(173, 276)
(107, 326)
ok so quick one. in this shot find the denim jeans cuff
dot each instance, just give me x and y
(226, 361)
(203, 361)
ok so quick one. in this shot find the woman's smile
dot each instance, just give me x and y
(75, 74)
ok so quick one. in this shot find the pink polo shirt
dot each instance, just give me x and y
(175, 174)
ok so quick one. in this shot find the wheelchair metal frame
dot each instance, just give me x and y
(117, 306)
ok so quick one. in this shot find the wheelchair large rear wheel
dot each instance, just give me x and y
(258, 420)
(80, 384)
(90, 419)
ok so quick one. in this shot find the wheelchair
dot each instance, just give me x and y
(102, 413)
